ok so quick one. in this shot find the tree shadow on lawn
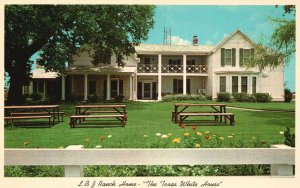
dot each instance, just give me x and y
(35, 124)
(284, 119)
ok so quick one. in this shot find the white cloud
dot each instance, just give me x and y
(179, 41)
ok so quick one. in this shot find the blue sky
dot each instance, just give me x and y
(212, 23)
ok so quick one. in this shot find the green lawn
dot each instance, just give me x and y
(155, 117)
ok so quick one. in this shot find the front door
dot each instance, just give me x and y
(147, 90)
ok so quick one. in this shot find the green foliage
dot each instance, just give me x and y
(263, 97)
(288, 95)
(36, 96)
(223, 97)
(179, 97)
(33, 171)
(57, 32)
(119, 98)
(244, 97)
(289, 137)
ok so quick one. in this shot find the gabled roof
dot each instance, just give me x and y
(159, 48)
(238, 31)
(40, 73)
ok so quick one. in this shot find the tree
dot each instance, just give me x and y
(58, 31)
(282, 43)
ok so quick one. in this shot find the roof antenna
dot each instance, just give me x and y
(167, 31)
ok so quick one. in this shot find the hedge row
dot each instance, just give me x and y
(168, 98)
(244, 97)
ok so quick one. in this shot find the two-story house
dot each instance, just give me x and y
(156, 70)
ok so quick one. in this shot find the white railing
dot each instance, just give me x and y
(281, 157)
(171, 68)
(147, 68)
(196, 68)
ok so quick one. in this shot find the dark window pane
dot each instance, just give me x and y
(235, 84)
(244, 84)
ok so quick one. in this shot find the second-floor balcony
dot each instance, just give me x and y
(197, 69)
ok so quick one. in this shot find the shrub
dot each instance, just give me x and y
(252, 98)
(179, 97)
(36, 96)
(244, 97)
(263, 97)
(223, 97)
(93, 97)
(288, 96)
(119, 98)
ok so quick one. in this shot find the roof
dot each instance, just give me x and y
(238, 31)
(159, 48)
(42, 74)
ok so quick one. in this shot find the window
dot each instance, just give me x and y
(174, 61)
(92, 87)
(190, 62)
(245, 55)
(235, 84)
(227, 57)
(244, 84)
(222, 83)
(26, 90)
(253, 85)
(178, 86)
(147, 61)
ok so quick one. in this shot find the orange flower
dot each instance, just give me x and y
(101, 138)
(207, 137)
(194, 127)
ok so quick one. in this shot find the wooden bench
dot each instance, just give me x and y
(173, 117)
(38, 113)
(184, 115)
(11, 118)
(74, 118)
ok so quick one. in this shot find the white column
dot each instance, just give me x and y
(44, 90)
(239, 84)
(159, 78)
(108, 87)
(63, 84)
(130, 87)
(85, 87)
(184, 74)
(135, 83)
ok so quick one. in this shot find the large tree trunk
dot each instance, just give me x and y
(17, 79)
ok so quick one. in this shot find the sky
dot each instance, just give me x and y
(213, 23)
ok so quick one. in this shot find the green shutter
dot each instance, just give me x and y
(222, 57)
(174, 86)
(251, 52)
(233, 57)
(241, 57)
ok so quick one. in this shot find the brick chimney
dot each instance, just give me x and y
(195, 40)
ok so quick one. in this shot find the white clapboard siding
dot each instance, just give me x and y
(74, 156)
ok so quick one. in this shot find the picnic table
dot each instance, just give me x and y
(83, 112)
(180, 112)
(32, 112)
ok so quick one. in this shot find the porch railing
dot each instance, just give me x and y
(172, 68)
(280, 157)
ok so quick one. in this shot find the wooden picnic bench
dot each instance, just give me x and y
(74, 118)
(97, 111)
(180, 112)
(184, 115)
(11, 118)
(33, 112)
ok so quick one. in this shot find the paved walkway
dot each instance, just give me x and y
(259, 110)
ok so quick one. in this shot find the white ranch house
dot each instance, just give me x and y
(156, 70)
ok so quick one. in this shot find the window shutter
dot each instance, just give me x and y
(120, 87)
(233, 59)
(251, 52)
(241, 57)
(222, 57)
(174, 85)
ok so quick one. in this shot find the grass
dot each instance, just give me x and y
(151, 118)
